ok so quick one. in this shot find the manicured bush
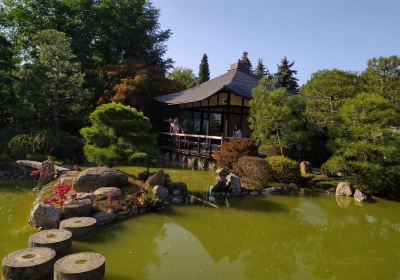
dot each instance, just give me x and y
(232, 150)
(269, 150)
(283, 169)
(20, 145)
(335, 167)
(118, 134)
(253, 171)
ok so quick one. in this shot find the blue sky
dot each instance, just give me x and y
(316, 34)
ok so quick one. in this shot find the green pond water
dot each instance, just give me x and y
(277, 237)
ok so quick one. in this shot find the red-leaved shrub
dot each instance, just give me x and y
(232, 150)
(59, 195)
(253, 171)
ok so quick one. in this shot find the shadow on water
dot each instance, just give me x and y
(17, 185)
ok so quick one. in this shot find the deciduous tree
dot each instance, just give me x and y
(183, 77)
(276, 118)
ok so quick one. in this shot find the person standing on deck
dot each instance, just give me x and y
(176, 127)
(237, 133)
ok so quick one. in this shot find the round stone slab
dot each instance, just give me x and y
(80, 266)
(31, 263)
(57, 239)
(80, 227)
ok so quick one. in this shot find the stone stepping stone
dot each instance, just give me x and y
(77, 208)
(57, 239)
(31, 263)
(82, 266)
(80, 227)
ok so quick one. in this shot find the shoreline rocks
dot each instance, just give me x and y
(305, 167)
(77, 208)
(155, 179)
(45, 216)
(344, 189)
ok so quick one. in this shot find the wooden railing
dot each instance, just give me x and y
(191, 144)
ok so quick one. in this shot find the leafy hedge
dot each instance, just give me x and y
(283, 169)
(335, 166)
(253, 171)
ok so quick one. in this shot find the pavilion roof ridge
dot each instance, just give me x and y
(236, 80)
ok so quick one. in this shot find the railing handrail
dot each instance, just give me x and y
(192, 135)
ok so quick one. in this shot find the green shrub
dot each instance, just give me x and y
(144, 175)
(118, 134)
(253, 171)
(232, 150)
(269, 150)
(283, 169)
(334, 167)
(20, 145)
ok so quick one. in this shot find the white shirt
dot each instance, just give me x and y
(237, 133)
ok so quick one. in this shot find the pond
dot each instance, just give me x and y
(313, 236)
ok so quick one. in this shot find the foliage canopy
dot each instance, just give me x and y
(118, 134)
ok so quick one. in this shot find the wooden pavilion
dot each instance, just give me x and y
(210, 110)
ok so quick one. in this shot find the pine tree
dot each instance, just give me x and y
(118, 134)
(261, 70)
(204, 71)
(245, 60)
(286, 75)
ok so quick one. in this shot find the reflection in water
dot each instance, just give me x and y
(344, 201)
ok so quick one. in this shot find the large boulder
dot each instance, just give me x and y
(91, 179)
(162, 193)
(233, 183)
(108, 192)
(157, 178)
(344, 189)
(305, 167)
(45, 216)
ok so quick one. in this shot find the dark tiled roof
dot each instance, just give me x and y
(238, 81)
